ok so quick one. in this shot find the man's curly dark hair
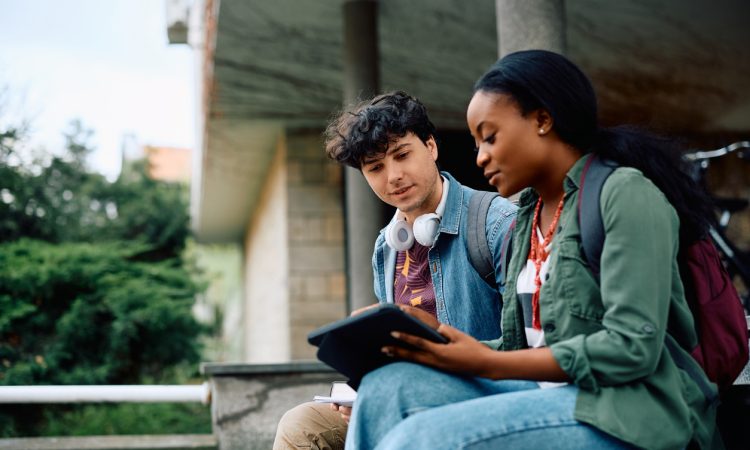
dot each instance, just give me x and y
(368, 128)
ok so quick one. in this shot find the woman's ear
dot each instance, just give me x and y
(544, 121)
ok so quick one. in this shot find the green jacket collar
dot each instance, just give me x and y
(570, 184)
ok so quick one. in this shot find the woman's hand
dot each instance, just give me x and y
(462, 354)
(465, 355)
(345, 411)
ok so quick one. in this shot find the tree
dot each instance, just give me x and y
(59, 200)
(93, 287)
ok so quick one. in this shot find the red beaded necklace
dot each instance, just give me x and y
(538, 254)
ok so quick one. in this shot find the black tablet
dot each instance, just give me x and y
(353, 345)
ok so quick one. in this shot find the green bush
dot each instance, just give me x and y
(127, 418)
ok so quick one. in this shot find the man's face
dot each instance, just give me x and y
(406, 176)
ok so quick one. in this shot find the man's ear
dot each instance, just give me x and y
(544, 121)
(431, 144)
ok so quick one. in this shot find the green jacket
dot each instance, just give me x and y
(609, 337)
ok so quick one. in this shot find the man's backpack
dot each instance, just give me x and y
(480, 255)
(722, 349)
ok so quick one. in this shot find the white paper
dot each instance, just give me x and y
(340, 394)
(343, 401)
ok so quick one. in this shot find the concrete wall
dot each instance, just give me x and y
(266, 280)
(316, 240)
(294, 252)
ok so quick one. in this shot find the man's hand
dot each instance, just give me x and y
(346, 411)
(422, 315)
(363, 309)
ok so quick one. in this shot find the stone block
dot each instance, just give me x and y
(306, 228)
(334, 175)
(315, 258)
(248, 400)
(337, 285)
(314, 199)
(315, 286)
(296, 286)
(333, 228)
(315, 313)
(294, 172)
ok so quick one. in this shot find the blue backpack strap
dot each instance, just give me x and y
(476, 236)
(593, 176)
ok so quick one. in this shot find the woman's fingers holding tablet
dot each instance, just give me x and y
(462, 354)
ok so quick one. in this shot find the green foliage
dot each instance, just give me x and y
(76, 313)
(93, 287)
(128, 418)
(103, 419)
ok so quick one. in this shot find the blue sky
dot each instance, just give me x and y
(105, 62)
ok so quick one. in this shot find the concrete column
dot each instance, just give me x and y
(530, 24)
(363, 210)
(361, 56)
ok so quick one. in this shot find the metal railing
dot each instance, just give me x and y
(109, 394)
(106, 394)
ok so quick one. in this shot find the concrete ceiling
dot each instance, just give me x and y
(677, 65)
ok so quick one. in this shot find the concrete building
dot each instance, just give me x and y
(273, 71)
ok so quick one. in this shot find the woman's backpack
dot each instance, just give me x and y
(722, 349)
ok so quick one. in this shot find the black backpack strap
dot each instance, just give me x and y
(682, 361)
(476, 236)
(594, 174)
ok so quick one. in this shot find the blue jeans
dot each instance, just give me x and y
(405, 405)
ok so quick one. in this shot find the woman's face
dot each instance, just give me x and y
(509, 146)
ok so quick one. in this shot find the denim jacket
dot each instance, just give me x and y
(609, 336)
(462, 298)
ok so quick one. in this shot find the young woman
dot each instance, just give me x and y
(582, 362)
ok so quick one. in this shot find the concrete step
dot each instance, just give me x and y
(121, 442)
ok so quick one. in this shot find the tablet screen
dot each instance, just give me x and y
(353, 345)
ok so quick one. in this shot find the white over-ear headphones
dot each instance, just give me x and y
(400, 235)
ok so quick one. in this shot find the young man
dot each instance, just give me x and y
(421, 257)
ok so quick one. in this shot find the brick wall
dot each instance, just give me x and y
(317, 287)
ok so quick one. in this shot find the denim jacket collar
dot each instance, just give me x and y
(453, 206)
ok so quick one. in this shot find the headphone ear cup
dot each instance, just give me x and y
(399, 236)
(425, 229)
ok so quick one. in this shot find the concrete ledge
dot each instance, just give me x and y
(244, 369)
(249, 399)
(142, 442)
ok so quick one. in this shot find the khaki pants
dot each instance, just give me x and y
(313, 426)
